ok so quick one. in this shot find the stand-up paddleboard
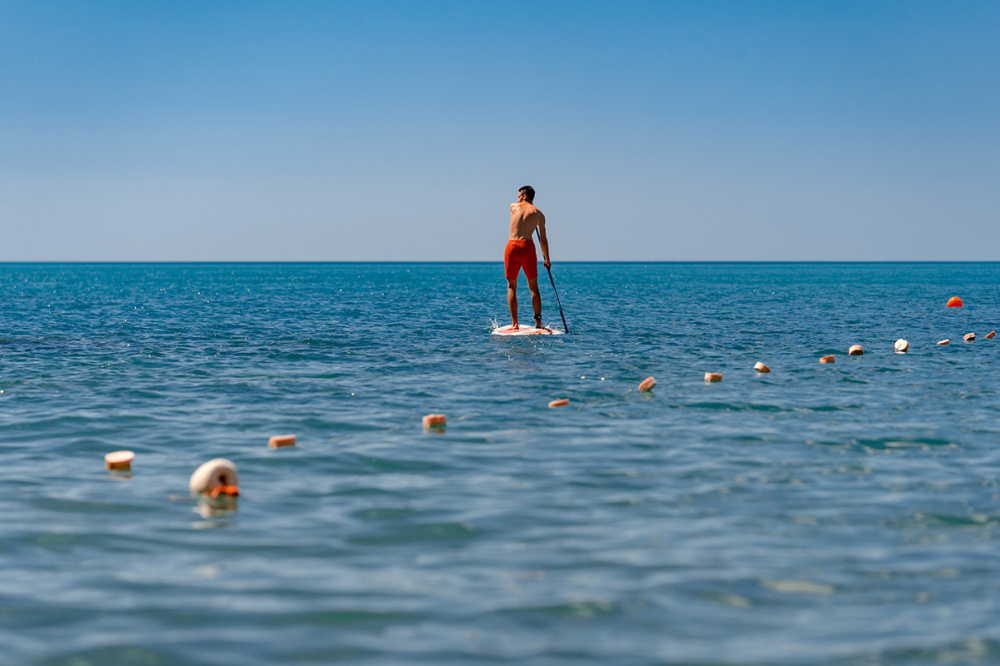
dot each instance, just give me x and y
(525, 330)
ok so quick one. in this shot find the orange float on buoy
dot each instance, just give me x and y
(901, 345)
(827, 359)
(647, 384)
(990, 335)
(945, 342)
(856, 350)
(713, 376)
(559, 403)
(969, 337)
(214, 478)
(278, 441)
(760, 367)
(954, 302)
(435, 421)
(119, 461)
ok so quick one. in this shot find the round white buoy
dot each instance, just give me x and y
(901, 345)
(213, 475)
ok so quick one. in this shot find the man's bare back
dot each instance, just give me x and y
(524, 218)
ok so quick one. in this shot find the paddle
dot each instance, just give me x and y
(565, 327)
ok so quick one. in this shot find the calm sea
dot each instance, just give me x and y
(820, 514)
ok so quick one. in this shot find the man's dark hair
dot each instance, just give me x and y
(529, 192)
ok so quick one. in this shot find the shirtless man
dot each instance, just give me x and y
(520, 252)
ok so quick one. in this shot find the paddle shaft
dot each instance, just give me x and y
(565, 327)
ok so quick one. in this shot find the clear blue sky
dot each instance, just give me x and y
(402, 130)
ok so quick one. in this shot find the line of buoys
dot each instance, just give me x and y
(647, 384)
(901, 345)
(713, 376)
(215, 477)
(856, 350)
(119, 461)
(435, 421)
(969, 337)
(760, 367)
(559, 403)
(827, 359)
(279, 441)
(954, 302)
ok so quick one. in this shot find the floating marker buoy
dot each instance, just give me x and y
(278, 441)
(954, 302)
(856, 350)
(647, 384)
(559, 403)
(901, 345)
(713, 376)
(760, 367)
(945, 342)
(214, 478)
(827, 359)
(435, 421)
(990, 335)
(969, 337)
(119, 461)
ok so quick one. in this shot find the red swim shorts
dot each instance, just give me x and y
(520, 253)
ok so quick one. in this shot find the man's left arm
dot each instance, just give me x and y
(543, 239)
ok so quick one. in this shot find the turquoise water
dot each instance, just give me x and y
(835, 514)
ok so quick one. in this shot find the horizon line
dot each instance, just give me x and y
(489, 261)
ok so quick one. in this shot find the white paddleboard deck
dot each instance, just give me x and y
(525, 330)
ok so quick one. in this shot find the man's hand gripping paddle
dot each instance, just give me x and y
(565, 327)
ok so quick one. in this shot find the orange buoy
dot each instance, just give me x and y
(119, 461)
(435, 420)
(856, 350)
(278, 441)
(954, 302)
(713, 376)
(760, 367)
(827, 359)
(901, 345)
(214, 478)
(945, 342)
(990, 335)
(559, 403)
(969, 337)
(647, 384)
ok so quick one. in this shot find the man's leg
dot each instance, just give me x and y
(512, 300)
(536, 301)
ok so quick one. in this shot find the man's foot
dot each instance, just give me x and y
(515, 326)
(538, 321)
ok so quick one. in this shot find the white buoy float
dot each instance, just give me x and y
(216, 477)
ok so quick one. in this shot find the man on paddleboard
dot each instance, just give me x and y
(520, 252)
